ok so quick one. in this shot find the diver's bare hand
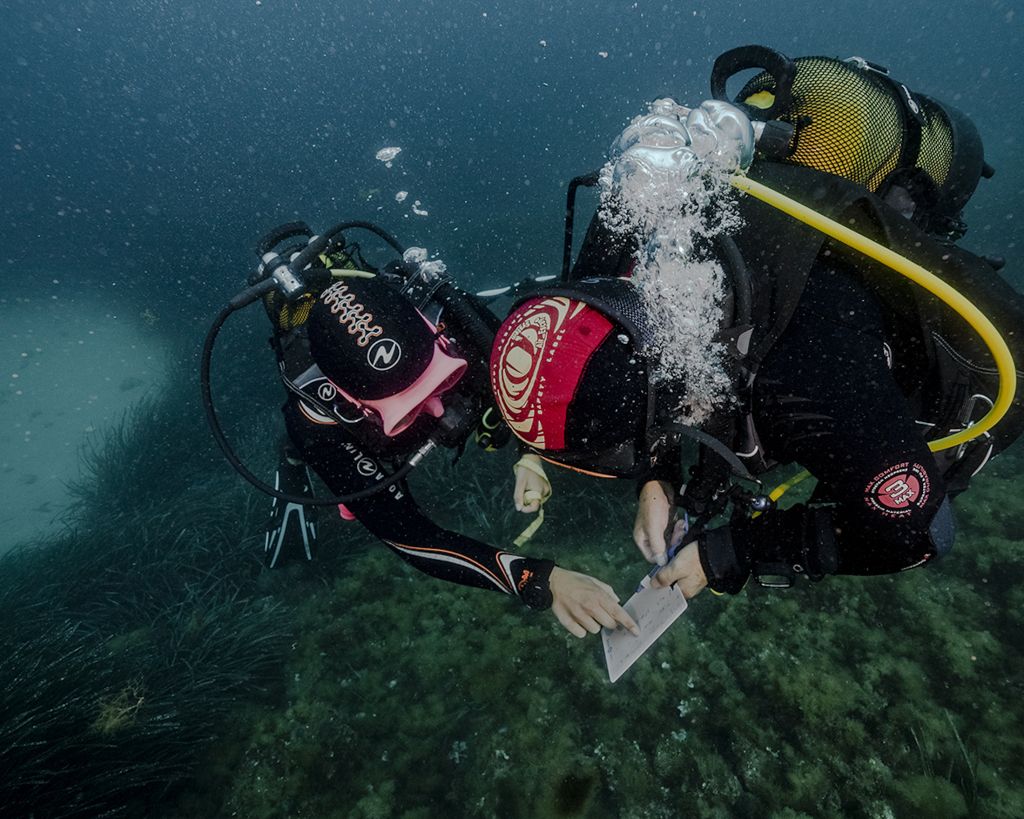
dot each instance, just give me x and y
(652, 517)
(685, 570)
(583, 603)
(532, 485)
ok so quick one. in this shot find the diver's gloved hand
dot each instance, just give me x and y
(673, 140)
(583, 603)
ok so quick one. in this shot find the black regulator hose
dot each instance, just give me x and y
(247, 296)
(462, 313)
(331, 234)
(736, 466)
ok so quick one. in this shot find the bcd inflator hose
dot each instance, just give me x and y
(917, 274)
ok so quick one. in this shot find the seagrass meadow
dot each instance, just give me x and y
(151, 666)
(855, 697)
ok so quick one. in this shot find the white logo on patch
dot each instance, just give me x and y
(326, 391)
(384, 354)
(366, 467)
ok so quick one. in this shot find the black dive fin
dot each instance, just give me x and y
(291, 531)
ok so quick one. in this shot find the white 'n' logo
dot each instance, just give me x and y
(384, 354)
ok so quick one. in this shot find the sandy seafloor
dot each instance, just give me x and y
(71, 367)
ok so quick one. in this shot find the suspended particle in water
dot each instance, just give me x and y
(386, 155)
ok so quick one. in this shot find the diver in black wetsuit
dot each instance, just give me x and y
(838, 365)
(377, 364)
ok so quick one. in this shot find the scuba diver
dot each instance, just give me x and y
(795, 346)
(381, 366)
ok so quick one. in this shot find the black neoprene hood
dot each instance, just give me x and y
(368, 339)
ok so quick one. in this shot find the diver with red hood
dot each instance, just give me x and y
(803, 351)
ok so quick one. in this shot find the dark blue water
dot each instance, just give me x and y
(158, 138)
(144, 147)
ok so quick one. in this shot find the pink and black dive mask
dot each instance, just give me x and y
(381, 353)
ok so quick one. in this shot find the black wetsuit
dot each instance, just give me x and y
(825, 397)
(346, 463)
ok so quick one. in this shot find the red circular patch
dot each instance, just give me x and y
(898, 490)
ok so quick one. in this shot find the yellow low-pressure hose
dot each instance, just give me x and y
(930, 282)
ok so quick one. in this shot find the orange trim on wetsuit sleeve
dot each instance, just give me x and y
(461, 558)
(573, 468)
